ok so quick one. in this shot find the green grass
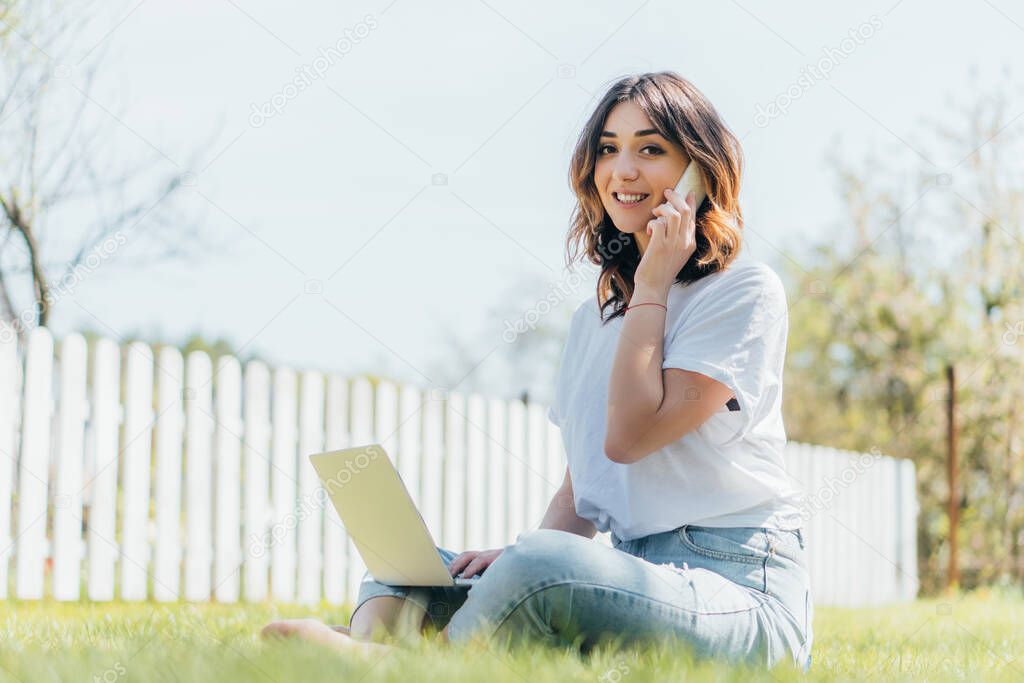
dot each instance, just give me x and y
(979, 636)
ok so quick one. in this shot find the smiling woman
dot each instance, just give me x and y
(669, 395)
(670, 413)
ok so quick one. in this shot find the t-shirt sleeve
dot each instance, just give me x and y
(736, 334)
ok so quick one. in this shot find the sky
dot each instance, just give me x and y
(370, 220)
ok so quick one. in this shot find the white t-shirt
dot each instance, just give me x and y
(731, 326)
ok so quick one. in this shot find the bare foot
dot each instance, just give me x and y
(318, 632)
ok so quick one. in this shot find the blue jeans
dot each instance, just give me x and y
(737, 594)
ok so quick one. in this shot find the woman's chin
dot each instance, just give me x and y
(630, 227)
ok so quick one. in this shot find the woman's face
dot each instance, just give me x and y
(633, 159)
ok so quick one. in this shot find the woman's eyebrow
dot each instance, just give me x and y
(639, 133)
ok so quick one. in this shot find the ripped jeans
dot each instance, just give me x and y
(737, 594)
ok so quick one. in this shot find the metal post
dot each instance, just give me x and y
(953, 573)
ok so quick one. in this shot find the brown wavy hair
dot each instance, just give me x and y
(684, 117)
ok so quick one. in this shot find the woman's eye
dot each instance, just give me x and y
(656, 150)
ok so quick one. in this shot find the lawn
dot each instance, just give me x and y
(979, 636)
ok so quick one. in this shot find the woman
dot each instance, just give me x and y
(669, 400)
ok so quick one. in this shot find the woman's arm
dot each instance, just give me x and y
(649, 408)
(635, 389)
(562, 515)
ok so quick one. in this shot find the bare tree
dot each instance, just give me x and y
(56, 161)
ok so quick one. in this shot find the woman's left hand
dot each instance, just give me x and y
(672, 241)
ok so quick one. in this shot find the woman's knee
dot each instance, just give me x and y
(521, 593)
(387, 615)
(540, 559)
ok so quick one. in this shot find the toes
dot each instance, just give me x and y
(275, 629)
(283, 628)
(294, 627)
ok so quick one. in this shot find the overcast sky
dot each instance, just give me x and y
(361, 221)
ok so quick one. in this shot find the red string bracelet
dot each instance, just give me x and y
(649, 303)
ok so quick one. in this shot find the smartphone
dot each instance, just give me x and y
(692, 180)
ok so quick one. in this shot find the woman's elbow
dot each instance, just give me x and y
(614, 452)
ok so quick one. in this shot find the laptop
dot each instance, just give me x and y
(381, 518)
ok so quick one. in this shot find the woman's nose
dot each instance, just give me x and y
(624, 169)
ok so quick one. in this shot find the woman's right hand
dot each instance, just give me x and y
(473, 562)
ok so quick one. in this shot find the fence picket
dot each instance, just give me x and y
(283, 487)
(516, 453)
(432, 473)
(311, 440)
(362, 435)
(67, 501)
(33, 476)
(227, 558)
(821, 524)
(409, 427)
(102, 485)
(453, 535)
(497, 475)
(537, 485)
(198, 475)
(10, 381)
(137, 454)
(478, 504)
(169, 424)
(906, 512)
(335, 538)
(256, 494)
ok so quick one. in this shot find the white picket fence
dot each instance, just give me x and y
(132, 476)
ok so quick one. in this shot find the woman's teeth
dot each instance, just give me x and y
(629, 198)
